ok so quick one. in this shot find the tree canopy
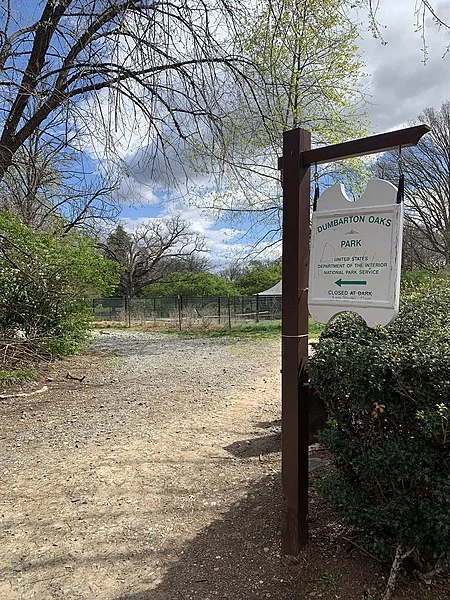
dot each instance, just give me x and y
(175, 83)
(48, 189)
(307, 55)
(130, 60)
(187, 283)
(258, 277)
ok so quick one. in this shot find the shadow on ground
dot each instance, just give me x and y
(238, 558)
(260, 446)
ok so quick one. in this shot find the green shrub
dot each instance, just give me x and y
(387, 391)
(19, 376)
(45, 283)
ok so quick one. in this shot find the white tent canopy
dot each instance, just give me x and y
(275, 290)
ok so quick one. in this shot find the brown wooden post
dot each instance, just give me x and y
(295, 341)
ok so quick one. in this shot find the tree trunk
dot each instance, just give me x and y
(6, 157)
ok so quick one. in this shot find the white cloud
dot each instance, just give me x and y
(222, 242)
(401, 82)
(225, 244)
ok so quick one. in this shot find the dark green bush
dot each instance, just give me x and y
(387, 391)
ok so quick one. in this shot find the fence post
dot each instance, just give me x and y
(218, 307)
(257, 308)
(229, 313)
(179, 302)
(129, 311)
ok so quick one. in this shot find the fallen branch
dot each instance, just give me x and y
(50, 577)
(24, 394)
(14, 352)
(398, 559)
(353, 543)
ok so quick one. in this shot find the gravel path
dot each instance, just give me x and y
(105, 481)
(157, 477)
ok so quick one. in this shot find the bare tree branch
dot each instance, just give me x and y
(148, 254)
(167, 58)
(427, 188)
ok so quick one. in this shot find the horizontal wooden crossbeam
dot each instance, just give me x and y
(368, 145)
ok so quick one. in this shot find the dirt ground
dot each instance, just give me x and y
(157, 477)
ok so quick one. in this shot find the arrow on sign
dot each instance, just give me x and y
(340, 282)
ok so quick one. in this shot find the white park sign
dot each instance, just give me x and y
(356, 254)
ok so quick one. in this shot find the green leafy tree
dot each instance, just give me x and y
(307, 54)
(308, 51)
(259, 277)
(186, 283)
(46, 283)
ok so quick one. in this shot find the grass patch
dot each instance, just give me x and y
(19, 376)
(263, 329)
(314, 328)
(109, 325)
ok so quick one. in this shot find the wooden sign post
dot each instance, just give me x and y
(295, 163)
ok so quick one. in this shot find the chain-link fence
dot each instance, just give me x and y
(187, 310)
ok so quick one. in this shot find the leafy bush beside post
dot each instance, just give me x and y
(45, 283)
(387, 391)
